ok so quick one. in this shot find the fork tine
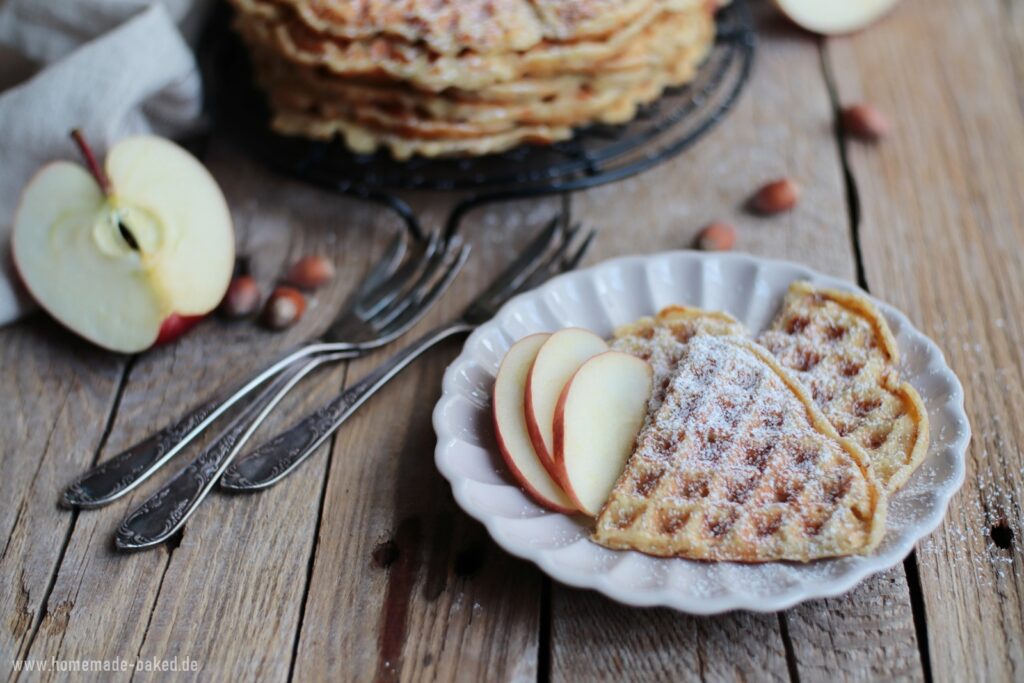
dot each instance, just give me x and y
(525, 264)
(362, 307)
(412, 314)
(413, 294)
(380, 297)
(427, 298)
(383, 268)
(574, 260)
(553, 262)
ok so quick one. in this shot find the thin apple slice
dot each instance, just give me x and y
(558, 359)
(834, 17)
(599, 415)
(510, 426)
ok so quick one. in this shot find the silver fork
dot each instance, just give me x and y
(166, 511)
(395, 294)
(275, 459)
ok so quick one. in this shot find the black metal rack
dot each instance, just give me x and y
(595, 155)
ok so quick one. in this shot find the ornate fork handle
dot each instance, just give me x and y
(166, 511)
(115, 477)
(276, 458)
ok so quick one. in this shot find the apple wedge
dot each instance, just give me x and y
(510, 426)
(596, 423)
(834, 17)
(558, 359)
(128, 255)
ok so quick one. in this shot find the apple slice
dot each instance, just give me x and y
(834, 17)
(599, 415)
(558, 359)
(510, 426)
(130, 255)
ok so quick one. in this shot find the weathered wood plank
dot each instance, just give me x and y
(57, 396)
(404, 585)
(230, 595)
(942, 235)
(783, 126)
(595, 639)
(865, 635)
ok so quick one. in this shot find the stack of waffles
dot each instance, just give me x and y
(473, 77)
(783, 448)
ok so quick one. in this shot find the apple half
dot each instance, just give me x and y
(558, 359)
(510, 427)
(597, 420)
(130, 256)
(834, 17)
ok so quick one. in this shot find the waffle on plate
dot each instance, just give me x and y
(738, 464)
(840, 347)
(661, 341)
(786, 448)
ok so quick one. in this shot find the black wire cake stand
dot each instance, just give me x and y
(595, 155)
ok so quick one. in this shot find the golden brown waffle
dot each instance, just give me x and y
(483, 26)
(671, 57)
(738, 464)
(365, 128)
(387, 59)
(841, 348)
(441, 78)
(661, 341)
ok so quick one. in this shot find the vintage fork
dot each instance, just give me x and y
(275, 459)
(167, 510)
(395, 294)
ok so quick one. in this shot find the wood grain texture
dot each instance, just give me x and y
(235, 582)
(595, 639)
(942, 233)
(360, 565)
(865, 635)
(57, 396)
(783, 126)
(404, 585)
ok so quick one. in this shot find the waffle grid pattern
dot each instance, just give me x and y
(737, 465)
(841, 349)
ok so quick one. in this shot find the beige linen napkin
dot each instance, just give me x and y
(110, 67)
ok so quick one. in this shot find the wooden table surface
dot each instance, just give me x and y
(360, 566)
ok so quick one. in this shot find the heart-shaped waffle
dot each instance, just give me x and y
(841, 348)
(738, 464)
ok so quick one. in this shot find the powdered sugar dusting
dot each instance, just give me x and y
(701, 587)
(734, 466)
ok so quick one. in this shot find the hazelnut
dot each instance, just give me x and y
(776, 197)
(242, 298)
(717, 236)
(284, 308)
(310, 272)
(865, 122)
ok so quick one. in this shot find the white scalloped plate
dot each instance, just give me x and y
(622, 290)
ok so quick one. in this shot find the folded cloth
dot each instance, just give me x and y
(110, 67)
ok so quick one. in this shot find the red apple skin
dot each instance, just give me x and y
(518, 476)
(174, 326)
(516, 473)
(546, 459)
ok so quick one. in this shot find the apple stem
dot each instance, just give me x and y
(104, 182)
(90, 162)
